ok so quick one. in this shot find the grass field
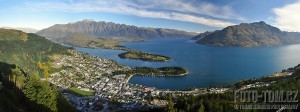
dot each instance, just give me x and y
(81, 92)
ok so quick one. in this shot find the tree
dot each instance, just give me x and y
(170, 105)
(202, 108)
(45, 68)
(42, 93)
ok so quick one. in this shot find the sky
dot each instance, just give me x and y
(188, 15)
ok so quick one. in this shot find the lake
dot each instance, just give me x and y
(208, 65)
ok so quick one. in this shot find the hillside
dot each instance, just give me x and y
(25, 50)
(83, 40)
(202, 35)
(249, 35)
(109, 29)
(21, 88)
(20, 92)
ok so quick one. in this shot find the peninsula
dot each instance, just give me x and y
(138, 55)
(162, 71)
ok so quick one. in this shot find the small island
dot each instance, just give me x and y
(138, 55)
(147, 71)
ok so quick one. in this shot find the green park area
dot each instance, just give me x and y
(81, 92)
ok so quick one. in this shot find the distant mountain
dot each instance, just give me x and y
(27, 30)
(83, 40)
(202, 35)
(109, 29)
(249, 35)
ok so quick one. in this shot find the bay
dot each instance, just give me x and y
(208, 65)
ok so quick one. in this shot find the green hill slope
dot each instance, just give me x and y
(21, 88)
(25, 50)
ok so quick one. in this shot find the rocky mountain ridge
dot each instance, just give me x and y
(249, 35)
(110, 29)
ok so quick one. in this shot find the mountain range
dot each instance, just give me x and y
(248, 35)
(242, 35)
(110, 29)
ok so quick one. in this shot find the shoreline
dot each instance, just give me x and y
(180, 75)
(128, 78)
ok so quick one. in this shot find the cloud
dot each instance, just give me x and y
(287, 17)
(188, 11)
(192, 6)
(175, 16)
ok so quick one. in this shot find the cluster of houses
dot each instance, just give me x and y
(256, 84)
(82, 70)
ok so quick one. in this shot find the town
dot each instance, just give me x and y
(109, 91)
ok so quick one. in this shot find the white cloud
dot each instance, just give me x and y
(188, 11)
(176, 16)
(191, 6)
(287, 17)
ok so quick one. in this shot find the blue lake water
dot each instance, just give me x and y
(208, 65)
